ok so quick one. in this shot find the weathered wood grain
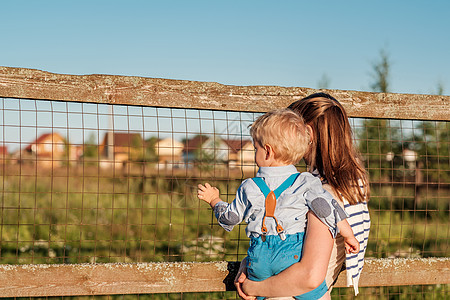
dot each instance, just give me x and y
(129, 90)
(142, 278)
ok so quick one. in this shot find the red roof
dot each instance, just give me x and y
(3, 150)
(236, 145)
(41, 139)
(198, 140)
(194, 143)
(124, 139)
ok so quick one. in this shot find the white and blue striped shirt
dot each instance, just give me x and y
(359, 220)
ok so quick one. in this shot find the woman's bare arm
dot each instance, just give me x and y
(303, 276)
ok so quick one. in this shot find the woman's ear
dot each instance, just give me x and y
(310, 132)
(307, 155)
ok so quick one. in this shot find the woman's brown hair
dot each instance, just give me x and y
(332, 152)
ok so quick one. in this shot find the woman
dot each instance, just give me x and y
(333, 157)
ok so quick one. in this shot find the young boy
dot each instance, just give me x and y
(274, 203)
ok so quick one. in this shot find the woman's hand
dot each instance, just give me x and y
(241, 276)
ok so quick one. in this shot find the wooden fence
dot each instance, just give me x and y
(137, 278)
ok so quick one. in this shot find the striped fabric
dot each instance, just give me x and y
(359, 220)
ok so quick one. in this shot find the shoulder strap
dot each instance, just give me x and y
(271, 200)
(286, 184)
(262, 185)
(279, 190)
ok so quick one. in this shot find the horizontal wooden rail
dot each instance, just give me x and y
(129, 90)
(143, 278)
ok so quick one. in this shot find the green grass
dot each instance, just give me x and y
(84, 215)
(73, 219)
(78, 216)
(406, 226)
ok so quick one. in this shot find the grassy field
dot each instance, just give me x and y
(83, 214)
(74, 215)
(87, 216)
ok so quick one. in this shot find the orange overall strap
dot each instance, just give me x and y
(271, 203)
(271, 199)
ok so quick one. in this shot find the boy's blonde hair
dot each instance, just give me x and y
(285, 132)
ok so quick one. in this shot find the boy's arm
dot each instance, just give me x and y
(344, 228)
(351, 243)
(324, 206)
(228, 214)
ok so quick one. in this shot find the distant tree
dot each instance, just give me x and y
(376, 139)
(137, 149)
(66, 156)
(90, 151)
(433, 143)
(207, 154)
(382, 146)
(433, 149)
(150, 154)
(380, 73)
(90, 147)
(324, 82)
(440, 88)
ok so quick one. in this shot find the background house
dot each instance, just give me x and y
(191, 147)
(75, 153)
(202, 151)
(3, 154)
(119, 148)
(241, 154)
(169, 152)
(47, 150)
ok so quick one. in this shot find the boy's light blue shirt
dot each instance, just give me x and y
(305, 193)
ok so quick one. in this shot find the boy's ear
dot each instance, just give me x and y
(269, 151)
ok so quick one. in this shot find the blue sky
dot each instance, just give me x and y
(246, 42)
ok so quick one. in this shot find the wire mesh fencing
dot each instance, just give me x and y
(98, 183)
(408, 163)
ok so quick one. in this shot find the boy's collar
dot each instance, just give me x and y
(276, 171)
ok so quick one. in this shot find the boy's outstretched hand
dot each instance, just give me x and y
(209, 194)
